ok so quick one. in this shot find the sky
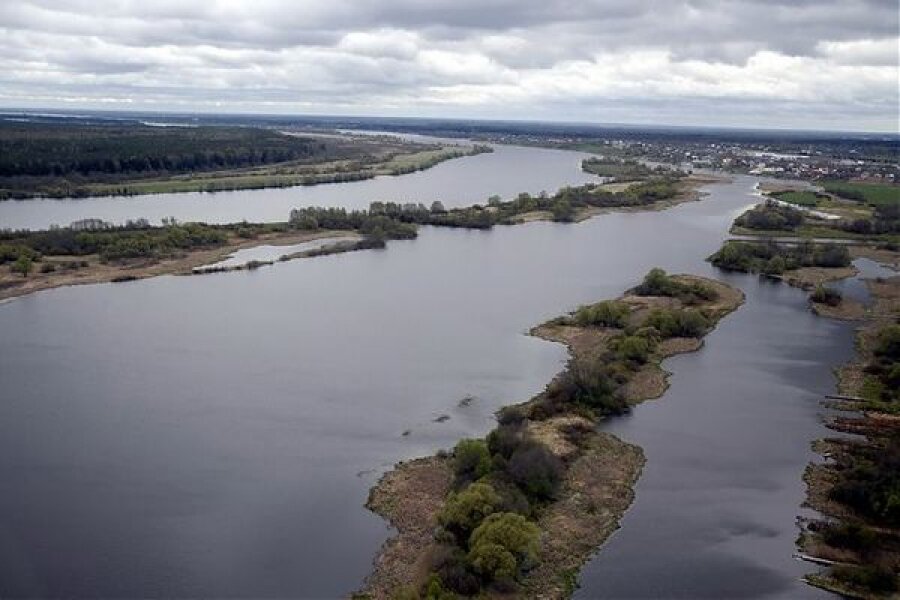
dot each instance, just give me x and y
(801, 64)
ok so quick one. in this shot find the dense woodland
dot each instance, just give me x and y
(56, 158)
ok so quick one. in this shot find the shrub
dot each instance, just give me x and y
(607, 314)
(657, 283)
(888, 343)
(471, 459)
(826, 295)
(677, 323)
(502, 536)
(848, 535)
(504, 440)
(872, 577)
(466, 509)
(536, 470)
(633, 347)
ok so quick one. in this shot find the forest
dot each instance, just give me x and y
(54, 158)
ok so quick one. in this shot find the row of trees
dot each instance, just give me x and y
(59, 150)
(772, 258)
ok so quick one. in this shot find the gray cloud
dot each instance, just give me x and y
(828, 63)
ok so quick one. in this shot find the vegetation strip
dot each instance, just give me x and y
(522, 510)
(103, 159)
(91, 251)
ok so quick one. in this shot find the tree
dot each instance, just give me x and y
(466, 509)
(562, 211)
(536, 470)
(23, 265)
(504, 545)
(438, 207)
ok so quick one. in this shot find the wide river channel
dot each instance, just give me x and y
(216, 436)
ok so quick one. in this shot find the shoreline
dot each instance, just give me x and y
(598, 486)
(854, 545)
(13, 286)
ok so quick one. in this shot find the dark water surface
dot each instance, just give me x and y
(507, 171)
(217, 436)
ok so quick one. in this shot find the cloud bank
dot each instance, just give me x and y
(829, 64)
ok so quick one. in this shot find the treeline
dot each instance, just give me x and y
(617, 169)
(563, 206)
(38, 149)
(488, 537)
(111, 244)
(772, 258)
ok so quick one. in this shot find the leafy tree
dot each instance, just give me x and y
(502, 536)
(466, 509)
(23, 265)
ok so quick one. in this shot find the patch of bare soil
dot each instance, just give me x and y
(846, 310)
(810, 277)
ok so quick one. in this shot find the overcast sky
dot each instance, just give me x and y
(819, 64)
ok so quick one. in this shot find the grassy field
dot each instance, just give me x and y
(808, 199)
(870, 193)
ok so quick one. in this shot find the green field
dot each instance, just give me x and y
(871, 193)
(810, 199)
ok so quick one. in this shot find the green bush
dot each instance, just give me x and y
(608, 313)
(633, 348)
(826, 295)
(658, 283)
(502, 536)
(888, 344)
(471, 459)
(677, 323)
(465, 510)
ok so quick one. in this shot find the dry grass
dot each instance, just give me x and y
(410, 498)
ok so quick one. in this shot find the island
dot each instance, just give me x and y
(520, 511)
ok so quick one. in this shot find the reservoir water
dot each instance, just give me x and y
(217, 436)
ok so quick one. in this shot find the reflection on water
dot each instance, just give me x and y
(266, 252)
(217, 436)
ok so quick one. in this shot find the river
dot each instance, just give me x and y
(506, 172)
(217, 436)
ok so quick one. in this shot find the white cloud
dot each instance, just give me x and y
(698, 62)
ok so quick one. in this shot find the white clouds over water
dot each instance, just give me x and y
(831, 64)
